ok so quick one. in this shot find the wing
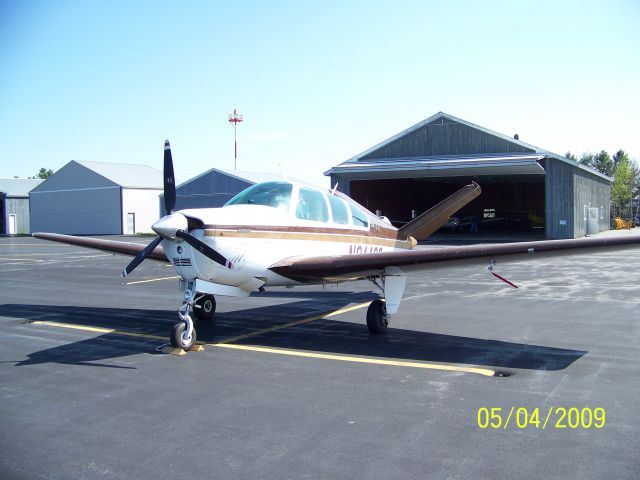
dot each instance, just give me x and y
(125, 248)
(350, 267)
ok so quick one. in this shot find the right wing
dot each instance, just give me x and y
(114, 246)
(351, 267)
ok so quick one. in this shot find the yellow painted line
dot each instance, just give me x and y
(151, 280)
(291, 324)
(88, 328)
(345, 358)
(283, 351)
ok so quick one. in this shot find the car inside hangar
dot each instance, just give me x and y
(524, 188)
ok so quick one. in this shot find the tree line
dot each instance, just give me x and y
(625, 171)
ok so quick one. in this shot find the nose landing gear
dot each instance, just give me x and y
(183, 335)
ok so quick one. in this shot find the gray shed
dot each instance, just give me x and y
(215, 187)
(524, 187)
(97, 198)
(14, 204)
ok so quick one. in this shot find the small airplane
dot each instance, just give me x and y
(284, 233)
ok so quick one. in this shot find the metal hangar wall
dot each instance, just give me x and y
(14, 204)
(97, 198)
(524, 187)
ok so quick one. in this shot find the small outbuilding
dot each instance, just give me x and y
(215, 187)
(14, 204)
(524, 187)
(97, 198)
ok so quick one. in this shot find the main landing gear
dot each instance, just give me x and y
(391, 283)
(377, 317)
(203, 307)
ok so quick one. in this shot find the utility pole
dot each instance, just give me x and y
(234, 119)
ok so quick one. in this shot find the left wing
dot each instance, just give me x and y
(350, 267)
(114, 246)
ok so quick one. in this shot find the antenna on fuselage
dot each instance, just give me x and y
(335, 189)
(283, 171)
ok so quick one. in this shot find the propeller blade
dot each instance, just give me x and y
(137, 260)
(169, 180)
(202, 247)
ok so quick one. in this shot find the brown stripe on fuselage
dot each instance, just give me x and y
(362, 237)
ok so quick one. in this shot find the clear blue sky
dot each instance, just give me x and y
(318, 82)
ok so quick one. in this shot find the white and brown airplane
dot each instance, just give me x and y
(287, 233)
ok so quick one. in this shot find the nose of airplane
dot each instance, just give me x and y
(168, 225)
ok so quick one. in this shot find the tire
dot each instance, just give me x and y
(177, 339)
(376, 317)
(207, 308)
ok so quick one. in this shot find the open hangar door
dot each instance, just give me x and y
(507, 205)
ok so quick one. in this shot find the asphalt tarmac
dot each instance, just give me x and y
(474, 379)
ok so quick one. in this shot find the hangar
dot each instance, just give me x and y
(524, 187)
(215, 187)
(97, 198)
(14, 204)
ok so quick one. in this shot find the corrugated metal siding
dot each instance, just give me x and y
(20, 208)
(559, 199)
(446, 137)
(80, 211)
(590, 191)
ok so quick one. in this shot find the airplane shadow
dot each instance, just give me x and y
(330, 336)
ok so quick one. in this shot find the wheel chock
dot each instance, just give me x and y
(180, 351)
(174, 351)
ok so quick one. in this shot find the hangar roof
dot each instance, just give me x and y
(18, 187)
(467, 149)
(251, 177)
(446, 166)
(127, 175)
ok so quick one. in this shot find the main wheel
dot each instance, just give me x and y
(178, 339)
(377, 317)
(207, 308)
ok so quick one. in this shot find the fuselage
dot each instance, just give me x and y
(273, 221)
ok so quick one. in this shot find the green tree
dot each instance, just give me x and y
(601, 162)
(570, 156)
(44, 173)
(623, 157)
(623, 185)
(587, 159)
(604, 163)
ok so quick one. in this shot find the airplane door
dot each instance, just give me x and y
(593, 225)
(131, 224)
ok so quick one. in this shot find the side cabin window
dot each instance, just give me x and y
(359, 218)
(270, 194)
(339, 210)
(312, 206)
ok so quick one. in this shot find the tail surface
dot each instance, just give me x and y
(425, 224)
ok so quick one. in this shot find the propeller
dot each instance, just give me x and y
(169, 180)
(137, 260)
(202, 247)
(172, 225)
(169, 205)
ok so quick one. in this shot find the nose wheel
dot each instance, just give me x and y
(183, 335)
(180, 338)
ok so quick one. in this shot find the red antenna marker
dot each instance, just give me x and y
(234, 119)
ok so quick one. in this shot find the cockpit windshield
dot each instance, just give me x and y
(270, 194)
